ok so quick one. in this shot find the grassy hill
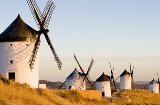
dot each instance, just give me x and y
(13, 93)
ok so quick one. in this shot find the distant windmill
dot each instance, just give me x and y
(103, 84)
(77, 80)
(126, 78)
(153, 85)
(110, 78)
(42, 21)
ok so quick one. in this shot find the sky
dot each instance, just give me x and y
(119, 32)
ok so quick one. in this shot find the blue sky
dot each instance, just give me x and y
(119, 31)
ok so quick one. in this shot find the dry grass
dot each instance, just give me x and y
(15, 93)
(137, 96)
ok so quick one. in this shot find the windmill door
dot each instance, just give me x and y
(103, 94)
(70, 87)
(11, 76)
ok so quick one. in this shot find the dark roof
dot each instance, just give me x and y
(75, 74)
(125, 73)
(153, 82)
(108, 77)
(103, 77)
(18, 30)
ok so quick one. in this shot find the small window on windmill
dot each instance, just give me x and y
(11, 61)
(10, 44)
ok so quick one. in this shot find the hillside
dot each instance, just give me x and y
(56, 85)
(13, 93)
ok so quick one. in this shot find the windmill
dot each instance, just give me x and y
(112, 77)
(153, 87)
(103, 84)
(42, 20)
(77, 80)
(126, 79)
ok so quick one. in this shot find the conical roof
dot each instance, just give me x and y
(18, 30)
(102, 78)
(153, 82)
(108, 77)
(125, 72)
(75, 74)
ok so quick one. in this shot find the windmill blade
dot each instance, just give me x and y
(111, 71)
(47, 13)
(132, 77)
(158, 78)
(58, 61)
(130, 67)
(92, 85)
(35, 11)
(88, 80)
(62, 84)
(47, 7)
(84, 78)
(41, 22)
(145, 86)
(90, 66)
(112, 74)
(79, 64)
(34, 52)
(114, 83)
(117, 78)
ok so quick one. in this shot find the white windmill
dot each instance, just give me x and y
(154, 86)
(126, 79)
(77, 80)
(16, 44)
(74, 81)
(19, 45)
(103, 84)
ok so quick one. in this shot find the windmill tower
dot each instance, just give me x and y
(19, 45)
(103, 84)
(16, 44)
(154, 86)
(125, 80)
(77, 80)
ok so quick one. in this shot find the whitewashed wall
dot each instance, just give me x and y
(104, 87)
(42, 86)
(76, 84)
(154, 88)
(125, 82)
(20, 53)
